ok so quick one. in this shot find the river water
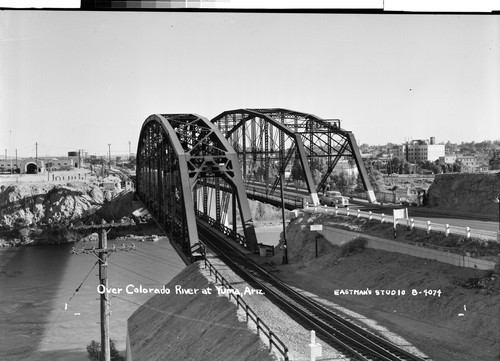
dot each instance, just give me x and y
(43, 318)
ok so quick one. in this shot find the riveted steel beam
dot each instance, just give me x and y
(320, 138)
(270, 150)
(175, 152)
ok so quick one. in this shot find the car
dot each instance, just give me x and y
(334, 198)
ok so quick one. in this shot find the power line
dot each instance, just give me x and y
(102, 253)
(74, 293)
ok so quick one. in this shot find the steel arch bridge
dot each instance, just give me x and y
(270, 142)
(186, 172)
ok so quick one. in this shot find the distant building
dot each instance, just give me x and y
(111, 183)
(467, 161)
(418, 151)
(423, 150)
(398, 151)
(482, 168)
(22, 166)
(448, 159)
(60, 162)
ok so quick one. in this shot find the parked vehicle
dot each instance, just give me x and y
(334, 198)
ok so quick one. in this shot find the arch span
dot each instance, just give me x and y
(276, 140)
(178, 156)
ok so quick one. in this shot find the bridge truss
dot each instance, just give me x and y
(188, 171)
(274, 141)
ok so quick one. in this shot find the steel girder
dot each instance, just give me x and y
(265, 147)
(313, 137)
(176, 152)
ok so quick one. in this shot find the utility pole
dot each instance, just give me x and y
(10, 149)
(129, 150)
(16, 159)
(109, 156)
(36, 156)
(285, 245)
(102, 253)
(103, 279)
(497, 200)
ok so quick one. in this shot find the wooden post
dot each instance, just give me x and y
(103, 278)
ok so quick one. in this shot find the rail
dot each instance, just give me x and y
(250, 314)
(335, 330)
(410, 222)
(226, 230)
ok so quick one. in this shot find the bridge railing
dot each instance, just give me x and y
(294, 197)
(229, 232)
(296, 200)
(250, 314)
(409, 222)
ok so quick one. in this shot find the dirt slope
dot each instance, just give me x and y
(192, 327)
(432, 323)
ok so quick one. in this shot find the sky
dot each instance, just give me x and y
(84, 80)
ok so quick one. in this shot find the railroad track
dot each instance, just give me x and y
(354, 341)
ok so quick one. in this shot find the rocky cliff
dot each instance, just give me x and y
(32, 205)
(467, 193)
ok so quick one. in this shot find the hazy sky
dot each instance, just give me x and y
(82, 80)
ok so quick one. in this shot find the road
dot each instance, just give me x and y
(474, 221)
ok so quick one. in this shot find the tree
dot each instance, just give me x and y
(94, 348)
(430, 166)
(457, 166)
(297, 173)
(341, 181)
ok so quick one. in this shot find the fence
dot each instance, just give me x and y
(250, 314)
(226, 230)
(410, 223)
(388, 197)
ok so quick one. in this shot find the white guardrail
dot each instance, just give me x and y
(409, 222)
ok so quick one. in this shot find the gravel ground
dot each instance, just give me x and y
(296, 337)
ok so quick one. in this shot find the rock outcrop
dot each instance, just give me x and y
(32, 205)
(467, 193)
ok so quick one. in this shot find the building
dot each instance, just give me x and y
(448, 159)
(417, 151)
(22, 166)
(63, 162)
(423, 150)
(398, 151)
(468, 162)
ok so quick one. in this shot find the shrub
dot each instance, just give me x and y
(352, 247)
(94, 348)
